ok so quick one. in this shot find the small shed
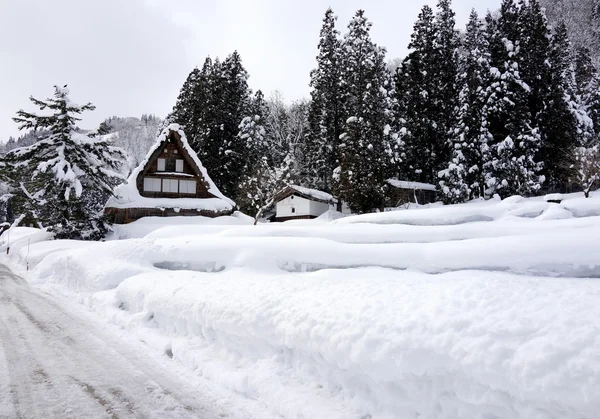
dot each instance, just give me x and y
(404, 192)
(297, 203)
(170, 181)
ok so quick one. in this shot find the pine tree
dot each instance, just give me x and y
(463, 178)
(64, 179)
(366, 143)
(325, 116)
(513, 142)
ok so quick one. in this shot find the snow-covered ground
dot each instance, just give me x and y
(481, 310)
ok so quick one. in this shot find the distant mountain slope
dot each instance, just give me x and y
(583, 21)
(134, 135)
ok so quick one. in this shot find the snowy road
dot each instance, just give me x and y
(55, 364)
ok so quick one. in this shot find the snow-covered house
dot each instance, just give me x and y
(170, 181)
(296, 202)
(404, 192)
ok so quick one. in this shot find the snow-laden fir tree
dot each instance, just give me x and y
(532, 40)
(415, 89)
(367, 143)
(588, 89)
(189, 103)
(233, 107)
(446, 95)
(463, 178)
(212, 103)
(565, 124)
(514, 144)
(427, 94)
(63, 180)
(326, 112)
(252, 133)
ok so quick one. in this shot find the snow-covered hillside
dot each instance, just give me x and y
(482, 310)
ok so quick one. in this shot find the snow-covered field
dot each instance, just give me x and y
(481, 310)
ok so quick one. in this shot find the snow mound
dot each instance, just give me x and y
(475, 211)
(422, 313)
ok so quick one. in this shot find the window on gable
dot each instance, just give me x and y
(187, 186)
(170, 165)
(170, 185)
(161, 165)
(293, 210)
(179, 165)
(151, 184)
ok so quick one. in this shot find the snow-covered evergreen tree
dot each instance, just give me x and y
(250, 196)
(427, 94)
(326, 112)
(463, 178)
(416, 113)
(366, 148)
(564, 122)
(233, 107)
(188, 103)
(63, 180)
(588, 89)
(212, 103)
(446, 94)
(514, 143)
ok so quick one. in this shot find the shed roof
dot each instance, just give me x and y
(403, 184)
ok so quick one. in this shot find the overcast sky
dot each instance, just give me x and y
(130, 57)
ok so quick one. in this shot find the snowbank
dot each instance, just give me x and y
(382, 344)
(488, 309)
(491, 210)
(147, 225)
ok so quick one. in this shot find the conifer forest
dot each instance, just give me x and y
(508, 105)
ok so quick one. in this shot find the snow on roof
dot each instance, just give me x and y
(128, 196)
(313, 193)
(403, 184)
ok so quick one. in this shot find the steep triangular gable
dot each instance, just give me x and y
(155, 150)
(173, 138)
(128, 195)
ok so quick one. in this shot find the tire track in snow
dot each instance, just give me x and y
(54, 364)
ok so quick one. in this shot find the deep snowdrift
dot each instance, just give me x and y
(488, 309)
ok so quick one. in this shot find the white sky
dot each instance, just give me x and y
(130, 57)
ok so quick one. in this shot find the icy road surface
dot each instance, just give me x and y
(54, 364)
